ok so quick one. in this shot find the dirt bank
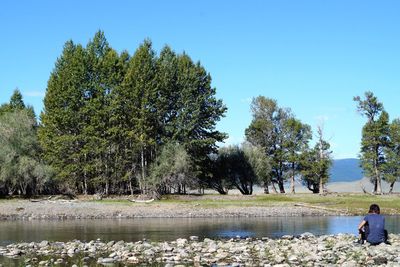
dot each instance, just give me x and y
(79, 209)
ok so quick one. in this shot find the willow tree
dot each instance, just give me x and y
(22, 170)
(241, 167)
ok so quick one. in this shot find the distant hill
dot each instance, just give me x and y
(345, 170)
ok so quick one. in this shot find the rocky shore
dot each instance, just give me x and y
(77, 209)
(303, 250)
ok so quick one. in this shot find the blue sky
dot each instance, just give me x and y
(311, 56)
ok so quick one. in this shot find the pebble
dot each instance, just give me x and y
(304, 250)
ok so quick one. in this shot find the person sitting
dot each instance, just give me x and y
(372, 227)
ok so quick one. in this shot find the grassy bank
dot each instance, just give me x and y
(356, 204)
(209, 205)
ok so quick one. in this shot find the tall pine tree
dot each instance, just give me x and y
(374, 138)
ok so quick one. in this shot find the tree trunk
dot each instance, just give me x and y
(85, 187)
(85, 184)
(321, 186)
(375, 186)
(107, 188)
(266, 189)
(274, 188)
(292, 180)
(141, 184)
(281, 187)
(391, 187)
(379, 186)
(130, 186)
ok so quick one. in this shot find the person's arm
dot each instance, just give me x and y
(361, 225)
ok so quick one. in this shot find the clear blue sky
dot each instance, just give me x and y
(312, 56)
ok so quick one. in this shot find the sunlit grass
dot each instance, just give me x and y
(343, 203)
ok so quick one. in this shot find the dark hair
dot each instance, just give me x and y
(374, 208)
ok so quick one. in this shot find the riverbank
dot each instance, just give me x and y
(304, 250)
(77, 209)
(199, 206)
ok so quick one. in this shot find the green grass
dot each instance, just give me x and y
(347, 203)
(356, 204)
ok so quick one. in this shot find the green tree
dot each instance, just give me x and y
(104, 72)
(374, 138)
(76, 132)
(138, 97)
(198, 110)
(282, 137)
(315, 163)
(106, 116)
(241, 168)
(259, 163)
(187, 109)
(296, 138)
(62, 122)
(16, 103)
(392, 155)
(21, 169)
(172, 171)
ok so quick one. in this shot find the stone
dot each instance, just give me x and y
(181, 242)
(380, 260)
(222, 255)
(15, 252)
(292, 258)
(279, 259)
(194, 238)
(133, 259)
(44, 243)
(307, 235)
(110, 244)
(107, 260)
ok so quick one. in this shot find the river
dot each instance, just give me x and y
(159, 229)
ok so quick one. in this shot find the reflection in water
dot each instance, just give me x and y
(158, 229)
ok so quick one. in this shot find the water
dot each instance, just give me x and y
(171, 229)
(160, 229)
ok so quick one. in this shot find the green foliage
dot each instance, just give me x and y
(20, 167)
(16, 103)
(173, 170)
(314, 165)
(75, 132)
(241, 168)
(106, 115)
(392, 154)
(281, 135)
(375, 138)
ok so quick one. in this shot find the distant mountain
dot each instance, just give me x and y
(345, 170)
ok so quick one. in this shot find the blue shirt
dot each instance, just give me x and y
(376, 228)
